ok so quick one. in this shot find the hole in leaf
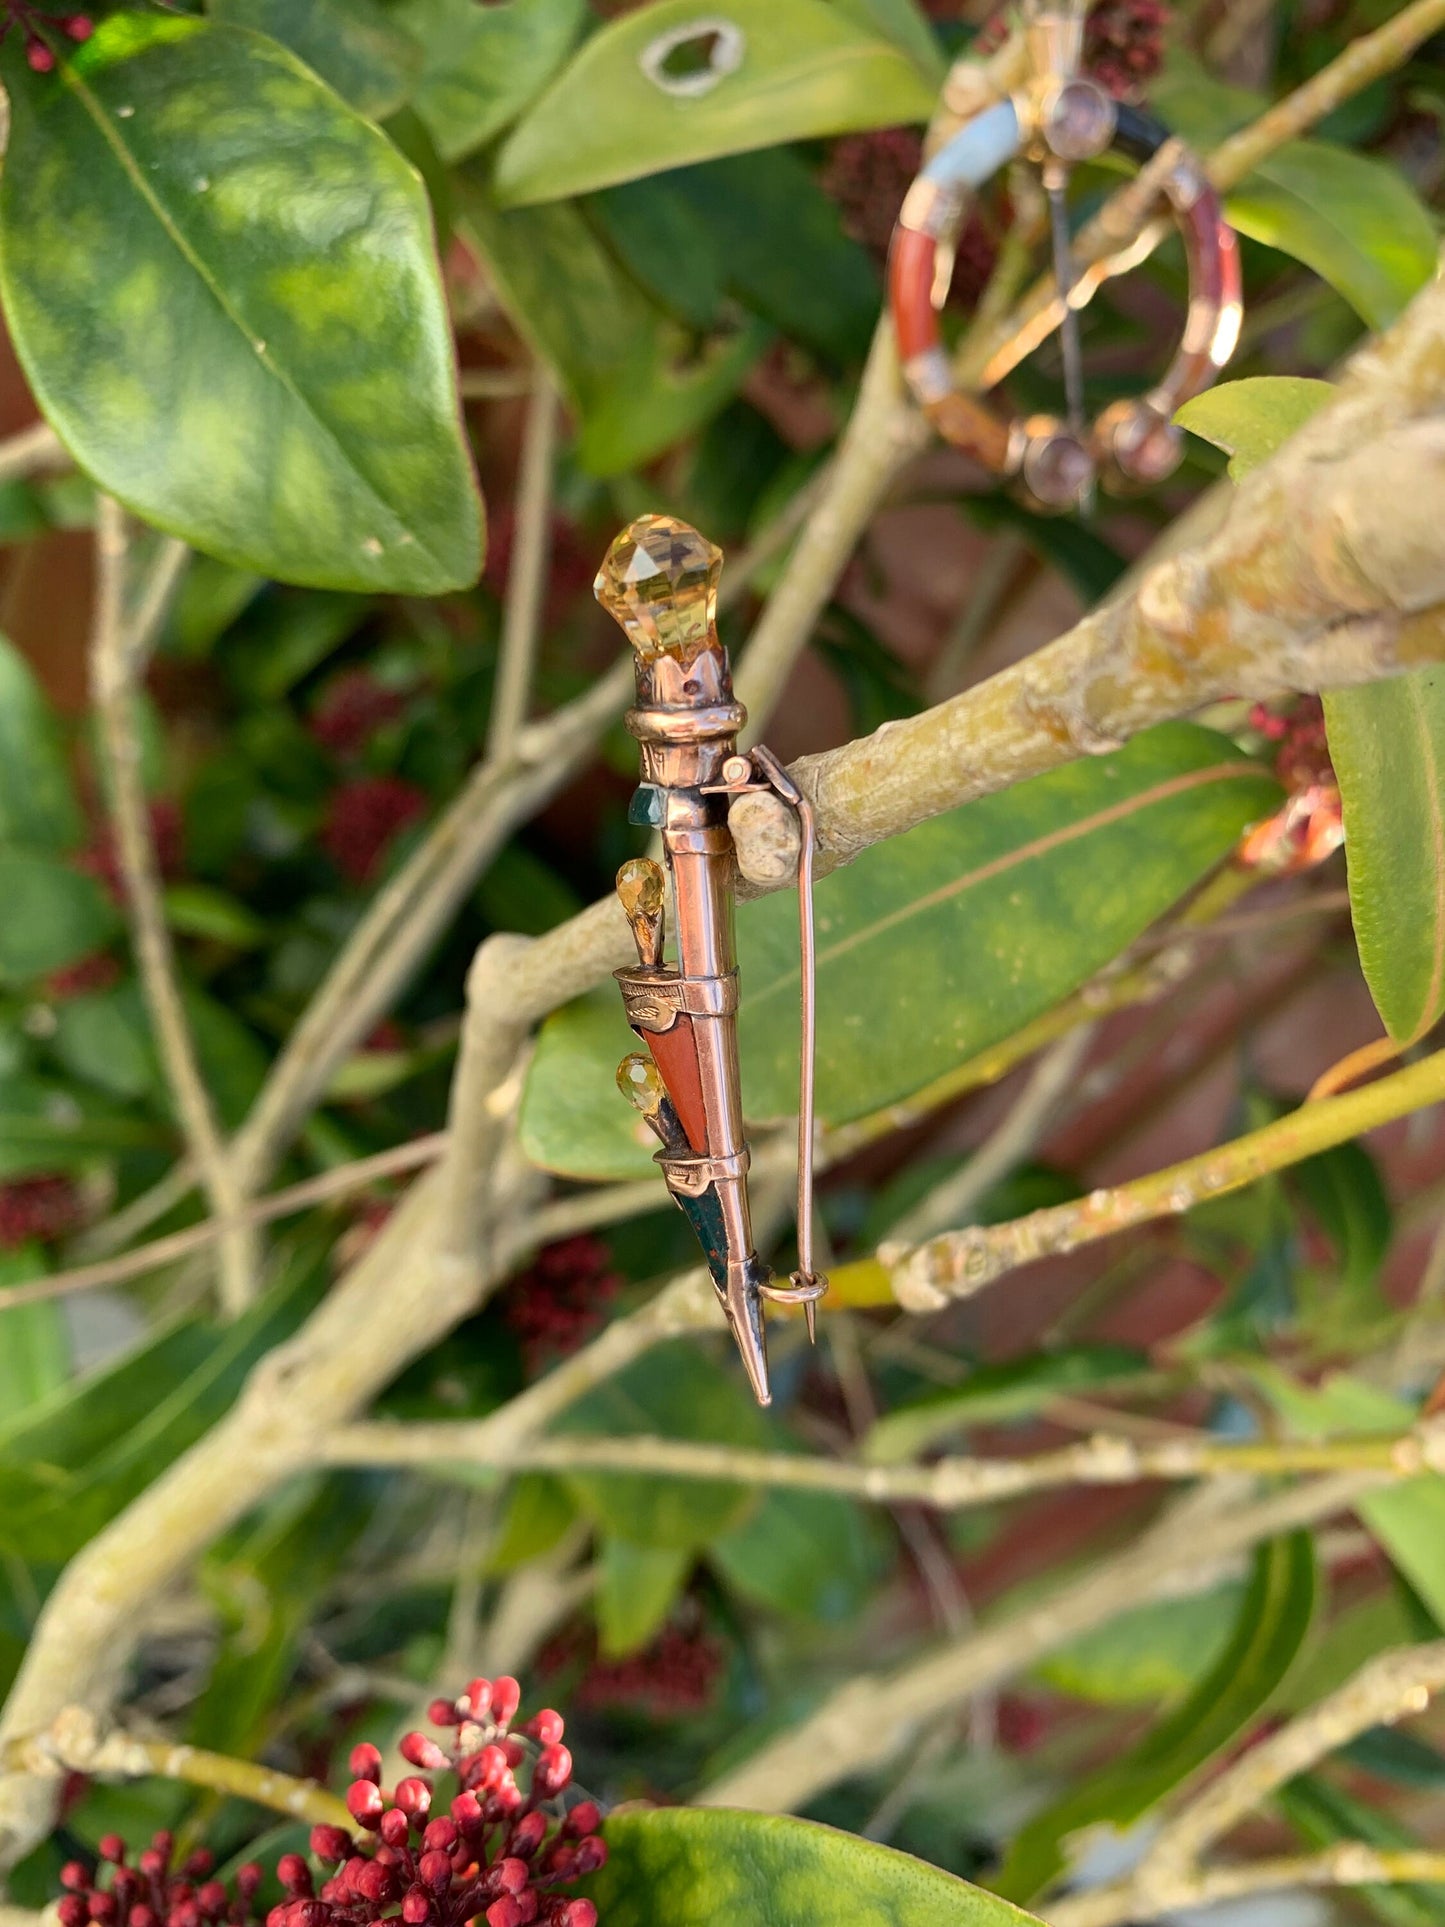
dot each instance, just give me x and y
(691, 59)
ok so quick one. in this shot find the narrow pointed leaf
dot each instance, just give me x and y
(37, 801)
(934, 946)
(1274, 1618)
(485, 64)
(1250, 419)
(796, 72)
(695, 1867)
(222, 284)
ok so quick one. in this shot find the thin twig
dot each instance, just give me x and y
(863, 1723)
(33, 451)
(76, 1743)
(948, 1484)
(118, 646)
(962, 1262)
(527, 571)
(1349, 1864)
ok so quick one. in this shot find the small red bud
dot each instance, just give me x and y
(505, 1913)
(330, 1844)
(294, 1875)
(418, 1750)
(487, 1767)
(466, 1810)
(352, 1871)
(413, 1796)
(506, 1698)
(187, 1914)
(547, 1727)
(38, 57)
(364, 1803)
(111, 1847)
(528, 1834)
(435, 1869)
(152, 1863)
(249, 1876)
(580, 1913)
(79, 26)
(514, 1751)
(365, 1763)
(415, 1907)
(102, 1908)
(444, 1713)
(585, 1817)
(511, 1875)
(395, 1828)
(276, 1917)
(507, 1794)
(590, 1855)
(213, 1900)
(71, 1911)
(478, 1698)
(142, 1916)
(199, 1863)
(75, 1876)
(440, 1835)
(553, 1771)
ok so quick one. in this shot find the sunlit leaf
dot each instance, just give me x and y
(798, 71)
(222, 284)
(697, 1866)
(1251, 418)
(356, 46)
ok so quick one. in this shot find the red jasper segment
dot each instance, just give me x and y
(675, 1054)
(910, 290)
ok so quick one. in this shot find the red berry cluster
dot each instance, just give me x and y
(498, 1851)
(1124, 43)
(1310, 827)
(39, 54)
(353, 707)
(559, 1301)
(867, 175)
(37, 1210)
(362, 818)
(1303, 753)
(98, 971)
(102, 861)
(154, 1893)
(673, 1677)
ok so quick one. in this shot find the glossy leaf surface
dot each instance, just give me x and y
(934, 946)
(53, 915)
(484, 64)
(1250, 419)
(810, 1555)
(803, 70)
(355, 46)
(1274, 1617)
(37, 802)
(222, 285)
(694, 1867)
(636, 1588)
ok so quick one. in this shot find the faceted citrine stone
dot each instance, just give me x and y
(641, 887)
(640, 1082)
(658, 582)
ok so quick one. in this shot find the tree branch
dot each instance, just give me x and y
(76, 1743)
(960, 1263)
(862, 1724)
(527, 574)
(1350, 1864)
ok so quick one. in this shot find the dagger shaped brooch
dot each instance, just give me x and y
(659, 582)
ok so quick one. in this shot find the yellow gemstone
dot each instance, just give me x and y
(640, 887)
(640, 1082)
(658, 581)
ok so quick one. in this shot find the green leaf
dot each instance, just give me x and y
(1252, 418)
(355, 46)
(1274, 1618)
(677, 1391)
(637, 1587)
(34, 1342)
(37, 800)
(201, 910)
(934, 946)
(806, 69)
(639, 381)
(536, 1513)
(104, 1039)
(485, 64)
(1323, 1814)
(53, 915)
(1408, 1519)
(698, 1866)
(1346, 1195)
(49, 1126)
(991, 1393)
(1156, 1652)
(222, 285)
(1387, 743)
(812, 1555)
(1355, 220)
